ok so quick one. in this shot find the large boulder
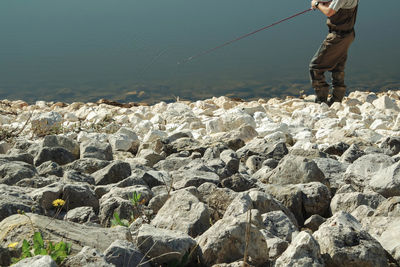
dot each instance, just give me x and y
(227, 239)
(57, 154)
(87, 165)
(124, 253)
(348, 202)
(183, 212)
(113, 173)
(295, 170)
(62, 141)
(165, 246)
(303, 251)
(97, 150)
(387, 181)
(17, 227)
(345, 243)
(13, 172)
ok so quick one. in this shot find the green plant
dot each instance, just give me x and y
(117, 221)
(57, 251)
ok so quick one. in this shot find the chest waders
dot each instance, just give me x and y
(332, 56)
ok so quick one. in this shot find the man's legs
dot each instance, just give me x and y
(339, 88)
(320, 85)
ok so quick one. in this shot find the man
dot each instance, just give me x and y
(332, 54)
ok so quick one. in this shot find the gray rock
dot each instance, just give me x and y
(391, 145)
(362, 211)
(182, 179)
(62, 141)
(348, 202)
(316, 199)
(87, 165)
(164, 246)
(254, 163)
(50, 168)
(17, 227)
(4, 147)
(314, 222)
(276, 245)
(389, 208)
(97, 150)
(124, 208)
(150, 156)
(113, 173)
(303, 251)
(172, 163)
(342, 238)
(387, 181)
(225, 242)
(278, 224)
(14, 198)
(38, 181)
(82, 215)
(88, 257)
(183, 212)
(238, 183)
(156, 203)
(333, 170)
(217, 199)
(336, 149)
(262, 147)
(25, 157)
(124, 253)
(46, 195)
(295, 170)
(37, 261)
(361, 171)
(13, 172)
(155, 178)
(352, 154)
(79, 195)
(240, 205)
(231, 160)
(78, 177)
(56, 154)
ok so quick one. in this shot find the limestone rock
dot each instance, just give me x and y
(124, 253)
(387, 181)
(348, 202)
(97, 150)
(113, 173)
(37, 261)
(344, 240)
(57, 154)
(278, 224)
(172, 244)
(81, 215)
(303, 251)
(13, 172)
(62, 141)
(225, 242)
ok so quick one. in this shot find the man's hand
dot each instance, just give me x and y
(313, 3)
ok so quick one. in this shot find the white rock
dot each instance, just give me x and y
(384, 102)
(379, 124)
(70, 117)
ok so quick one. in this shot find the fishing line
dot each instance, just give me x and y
(241, 37)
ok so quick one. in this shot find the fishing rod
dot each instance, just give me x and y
(243, 36)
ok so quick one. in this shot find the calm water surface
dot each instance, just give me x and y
(128, 50)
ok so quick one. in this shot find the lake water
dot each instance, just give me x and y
(128, 50)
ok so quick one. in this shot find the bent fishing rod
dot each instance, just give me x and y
(244, 36)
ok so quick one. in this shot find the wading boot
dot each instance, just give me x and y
(337, 95)
(321, 95)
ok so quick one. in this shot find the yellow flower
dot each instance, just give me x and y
(58, 202)
(12, 245)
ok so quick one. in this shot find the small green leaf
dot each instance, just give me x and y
(38, 240)
(26, 249)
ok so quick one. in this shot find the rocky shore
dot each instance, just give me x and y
(219, 182)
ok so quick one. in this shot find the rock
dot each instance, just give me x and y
(156, 203)
(172, 163)
(150, 156)
(4, 147)
(113, 173)
(385, 102)
(109, 206)
(344, 241)
(79, 195)
(387, 181)
(276, 246)
(50, 168)
(13, 172)
(46, 195)
(254, 163)
(154, 178)
(87, 165)
(173, 245)
(82, 215)
(61, 141)
(295, 170)
(314, 222)
(56, 154)
(348, 202)
(17, 227)
(14, 198)
(303, 251)
(37, 261)
(361, 171)
(24, 157)
(316, 199)
(278, 224)
(351, 154)
(391, 145)
(183, 179)
(78, 177)
(124, 253)
(230, 158)
(124, 140)
(87, 257)
(225, 242)
(238, 183)
(97, 150)
(183, 212)
(362, 211)
(336, 149)
(45, 123)
(333, 170)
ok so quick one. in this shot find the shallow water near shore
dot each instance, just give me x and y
(128, 51)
